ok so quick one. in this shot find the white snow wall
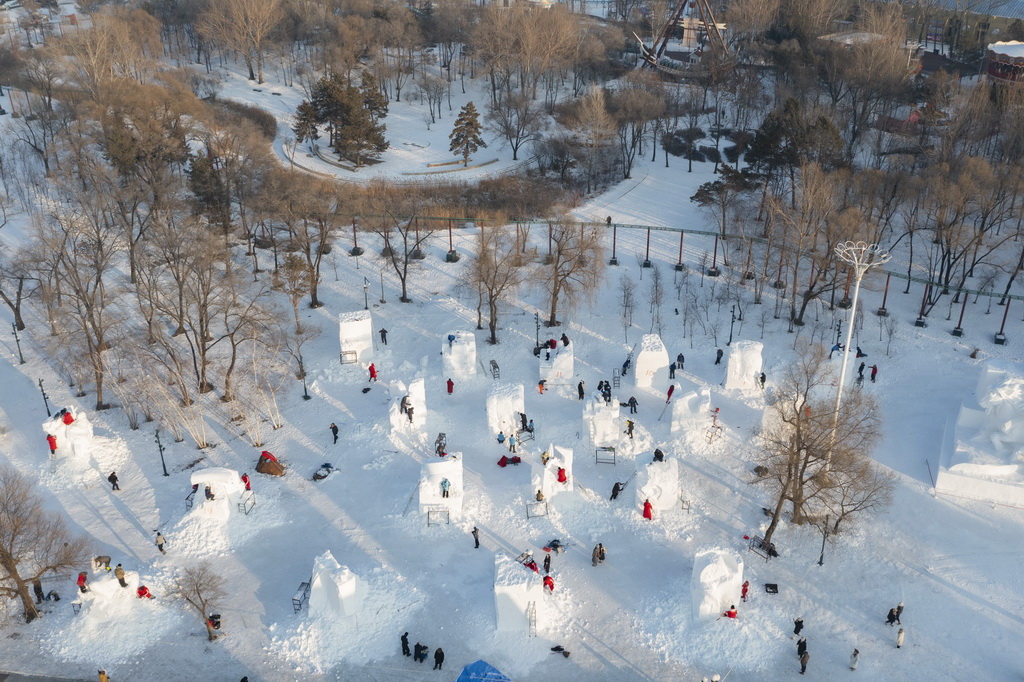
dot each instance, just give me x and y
(334, 590)
(504, 404)
(715, 583)
(459, 358)
(515, 587)
(355, 332)
(744, 365)
(602, 422)
(431, 475)
(691, 413)
(557, 366)
(651, 363)
(545, 478)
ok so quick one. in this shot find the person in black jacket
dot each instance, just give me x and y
(438, 658)
(405, 645)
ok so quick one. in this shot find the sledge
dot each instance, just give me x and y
(556, 546)
(560, 650)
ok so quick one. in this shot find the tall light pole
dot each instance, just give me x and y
(160, 446)
(860, 256)
(366, 298)
(45, 399)
(733, 322)
(21, 357)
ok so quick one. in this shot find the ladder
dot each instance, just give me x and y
(531, 615)
(616, 373)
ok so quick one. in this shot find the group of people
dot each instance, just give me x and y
(419, 652)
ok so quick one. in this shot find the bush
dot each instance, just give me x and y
(711, 154)
(732, 154)
(264, 121)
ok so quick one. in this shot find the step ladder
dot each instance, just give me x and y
(616, 376)
(531, 615)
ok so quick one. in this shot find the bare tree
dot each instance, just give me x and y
(498, 271)
(627, 289)
(575, 267)
(243, 26)
(33, 541)
(200, 587)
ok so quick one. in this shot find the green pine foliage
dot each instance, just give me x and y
(465, 137)
(353, 117)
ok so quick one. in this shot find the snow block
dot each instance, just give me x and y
(691, 412)
(418, 401)
(602, 422)
(74, 440)
(715, 583)
(459, 357)
(355, 332)
(651, 363)
(743, 367)
(557, 366)
(515, 589)
(334, 591)
(545, 478)
(659, 483)
(227, 487)
(504, 403)
(432, 474)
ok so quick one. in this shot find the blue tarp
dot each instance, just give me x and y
(481, 671)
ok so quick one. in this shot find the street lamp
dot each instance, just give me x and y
(366, 288)
(731, 324)
(160, 446)
(382, 288)
(17, 341)
(45, 398)
(302, 371)
(860, 256)
(824, 537)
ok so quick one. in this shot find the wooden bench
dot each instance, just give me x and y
(301, 596)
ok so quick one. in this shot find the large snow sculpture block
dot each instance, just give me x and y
(418, 401)
(334, 591)
(545, 478)
(691, 412)
(432, 474)
(715, 583)
(557, 366)
(458, 357)
(659, 483)
(504, 404)
(744, 365)
(516, 590)
(651, 364)
(602, 422)
(73, 432)
(226, 486)
(355, 331)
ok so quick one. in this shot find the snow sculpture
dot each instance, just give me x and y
(73, 432)
(691, 412)
(227, 489)
(556, 365)
(504, 404)
(458, 355)
(517, 591)
(355, 331)
(715, 583)
(651, 364)
(418, 401)
(659, 483)
(744, 365)
(432, 474)
(106, 600)
(602, 422)
(545, 478)
(334, 590)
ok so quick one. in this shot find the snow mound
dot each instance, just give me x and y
(744, 365)
(458, 358)
(715, 582)
(211, 527)
(504, 403)
(659, 483)
(652, 362)
(355, 334)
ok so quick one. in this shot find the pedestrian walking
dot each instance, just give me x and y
(119, 574)
(565, 340)
(540, 386)
(52, 442)
(632, 404)
(247, 482)
(160, 542)
(420, 654)
(405, 645)
(334, 429)
(511, 442)
(616, 489)
(373, 372)
(860, 370)
(874, 372)
(890, 618)
(679, 362)
(438, 658)
(899, 612)
(854, 659)
(594, 556)
(744, 590)
(803, 662)
(579, 389)
(445, 486)
(801, 646)
(672, 371)
(451, 386)
(384, 340)
(476, 538)
(113, 481)
(798, 625)
(648, 510)
(899, 639)
(547, 563)
(718, 356)
(629, 428)
(600, 553)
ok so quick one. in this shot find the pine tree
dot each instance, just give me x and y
(305, 127)
(352, 116)
(465, 137)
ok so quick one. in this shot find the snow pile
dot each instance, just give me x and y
(1010, 48)
(320, 642)
(602, 422)
(651, 365)
(504, 403)
(715, 583)
(433, 473)
(334, 591)
(74, 439)
(743, 370)
(982, 455)
(690, 412)
(659, 483)
(458, 358)
(516, 588)
(557, 365)
(545, 478)
(114, 625)
(355, 332)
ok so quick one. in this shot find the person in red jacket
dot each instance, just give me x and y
(68, 419)
(246, 481)
(451, 386)
(373, 372)
(549, 583)
(52, 440)
(731, 613)
(562, 478)
(143, 592)
(648, 510)
(81, 582)
(746, 588)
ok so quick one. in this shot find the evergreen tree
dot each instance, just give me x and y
(352, 116)
(305, 127)
(465, 137)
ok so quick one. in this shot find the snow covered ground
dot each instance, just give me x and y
(955, 563)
